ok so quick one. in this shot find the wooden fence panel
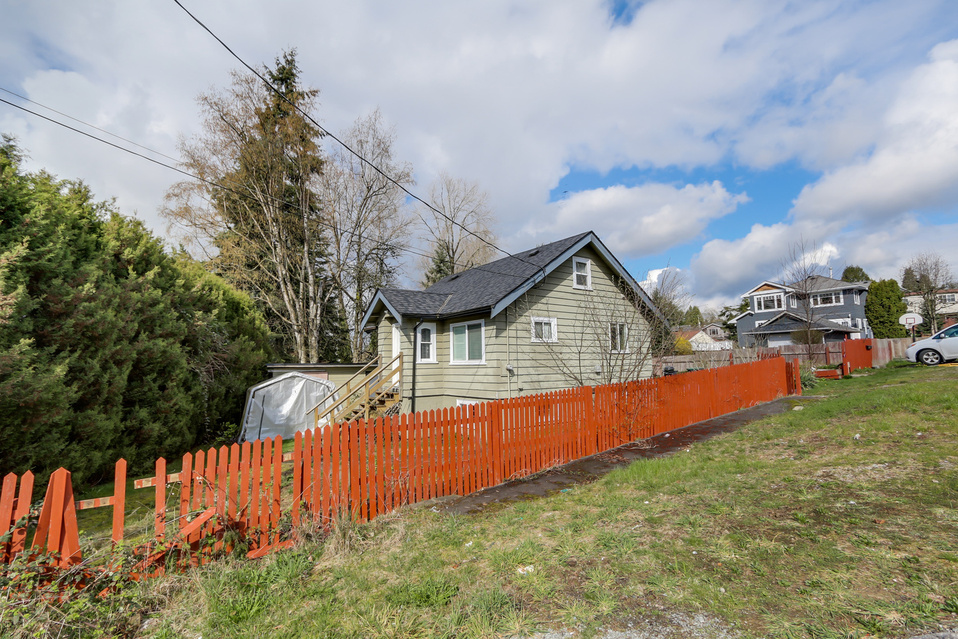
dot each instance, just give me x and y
(366, 468)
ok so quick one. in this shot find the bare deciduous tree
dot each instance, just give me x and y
(803, 262)
(932, 275)
(460, 237)
(368, 220)
(614, 337)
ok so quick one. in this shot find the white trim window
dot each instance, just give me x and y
(545, 330)
(771, 302)
(582, 273)
(827, 299)
(792, 301)
(619, 337)
(467, 342)
(426, 344)
(947, 298)
(858, 298)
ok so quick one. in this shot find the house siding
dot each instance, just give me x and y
(508, 341)
(848, 310)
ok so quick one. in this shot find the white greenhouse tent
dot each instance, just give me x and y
(279, 406)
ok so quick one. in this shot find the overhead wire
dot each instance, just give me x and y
(343, 144)
(92, 126)
(208, 182)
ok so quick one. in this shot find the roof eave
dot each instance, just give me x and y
(373, 307)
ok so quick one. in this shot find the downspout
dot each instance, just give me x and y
(508, 353)
(415, 358)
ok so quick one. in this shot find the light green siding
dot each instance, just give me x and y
(579, 356)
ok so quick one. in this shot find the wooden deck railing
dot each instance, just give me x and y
(236, 495)
(362, 393)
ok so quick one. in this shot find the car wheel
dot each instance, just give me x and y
(929, 357)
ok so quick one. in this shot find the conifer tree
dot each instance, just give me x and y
(883, 306)
(109, 348)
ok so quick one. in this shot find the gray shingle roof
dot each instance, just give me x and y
(488, 287)
(786, 322)
(482, 287)
(817, 283)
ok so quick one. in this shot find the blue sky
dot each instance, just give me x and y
(704, 135)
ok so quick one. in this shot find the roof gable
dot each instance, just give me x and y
(786, 322)
(492, 287)
(765, 287)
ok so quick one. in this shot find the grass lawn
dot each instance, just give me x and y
(838, 520)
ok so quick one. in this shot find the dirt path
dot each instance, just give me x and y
(589, 469)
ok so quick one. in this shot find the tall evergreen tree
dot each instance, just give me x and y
(883, 306)
(693, 317)
(440, 265)
(909, 280)
(262, 213)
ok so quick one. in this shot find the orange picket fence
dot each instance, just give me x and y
(255, 497)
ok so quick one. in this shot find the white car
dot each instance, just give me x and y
(940, 347)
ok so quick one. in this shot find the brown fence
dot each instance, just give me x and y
(237, 495)
(883, 351)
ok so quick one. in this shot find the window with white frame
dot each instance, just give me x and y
(768, 302)
(619, 337)
(858, 297)
(426, 344)
(468, 343)
(827, 299)
(544, 329)
(843, 321)
(582, 273)
(792, 301)
(948, 298)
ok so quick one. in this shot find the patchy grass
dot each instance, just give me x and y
(838, 520)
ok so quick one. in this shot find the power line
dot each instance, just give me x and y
(206, 181)
(343, 144)
(92, 126)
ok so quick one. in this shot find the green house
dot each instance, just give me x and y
(560, 315)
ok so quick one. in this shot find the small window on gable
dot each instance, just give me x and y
(582, 273)
(619, 337)
(544, 329)
(426, 344)
(791, 301)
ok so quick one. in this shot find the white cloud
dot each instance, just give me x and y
(640, 220)
(516, 94)
(915, 163)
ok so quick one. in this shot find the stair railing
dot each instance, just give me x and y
(363, 392)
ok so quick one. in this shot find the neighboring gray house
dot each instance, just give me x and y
(557, 316)
(775, 311)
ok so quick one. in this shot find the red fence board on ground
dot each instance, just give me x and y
(364, 469)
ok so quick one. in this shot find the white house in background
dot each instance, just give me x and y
(700, 340)
(947, 302)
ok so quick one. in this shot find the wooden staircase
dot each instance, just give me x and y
(376, 389)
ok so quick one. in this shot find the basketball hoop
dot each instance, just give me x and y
(910, 320)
